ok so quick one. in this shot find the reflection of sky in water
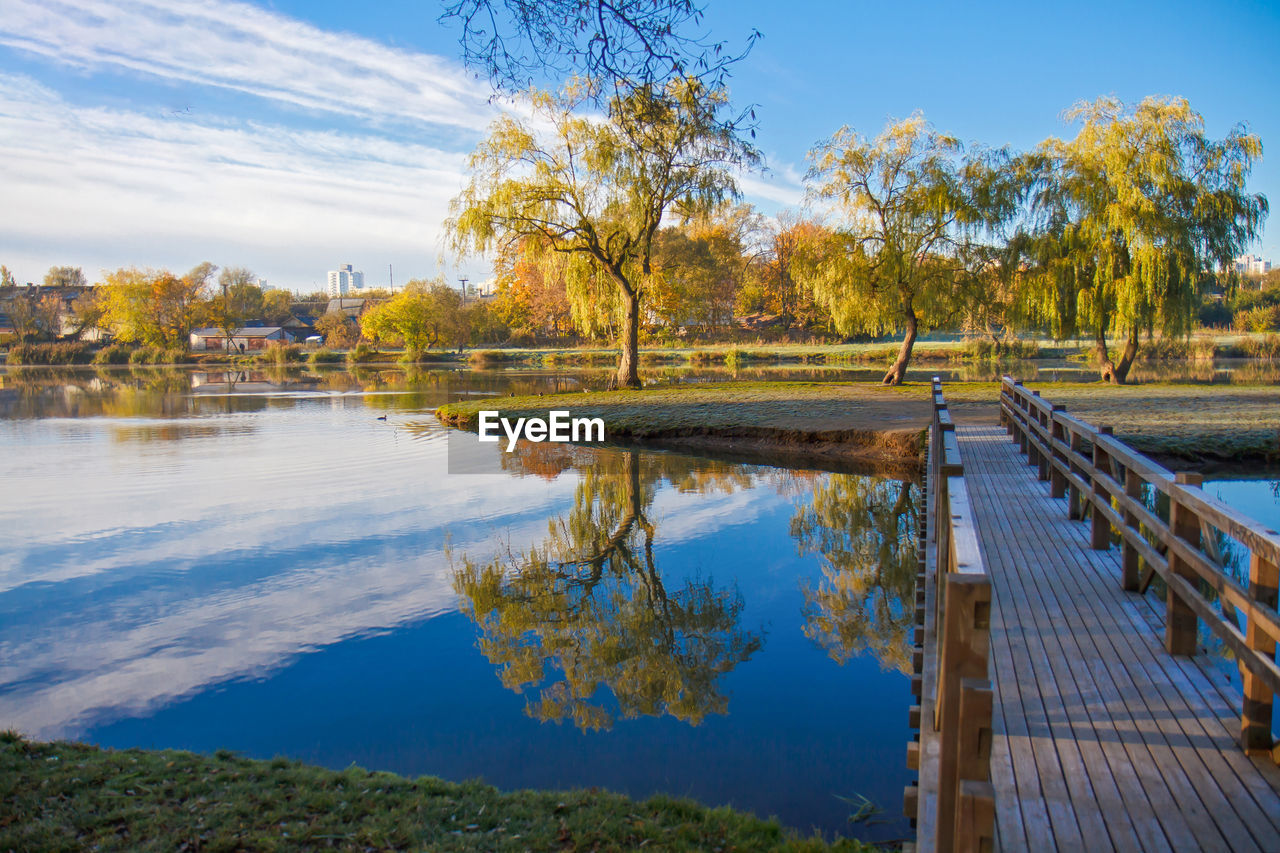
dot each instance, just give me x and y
(272, 578)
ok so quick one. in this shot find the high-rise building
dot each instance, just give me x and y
(344, 280)
(1252, 265)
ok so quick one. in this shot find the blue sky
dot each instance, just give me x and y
(294, 136)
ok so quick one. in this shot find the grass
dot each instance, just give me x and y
(65, 796)
(1192, 424)
(1195, 423)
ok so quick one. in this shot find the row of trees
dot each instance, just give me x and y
(1113, 233)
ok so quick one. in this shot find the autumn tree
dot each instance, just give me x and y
(595, 191)
(772, 284)
(277, 307)
(699, 268)
(22, 316)
(48, 316)
(64, 277)
(338, 329)
(154, 307)
(1127, 216)
(87, 311)
(912, 211)
(532, 298)
(423, 315)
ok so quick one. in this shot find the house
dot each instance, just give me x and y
(301, 326)
(242, 339)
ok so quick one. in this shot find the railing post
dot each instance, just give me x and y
(1075, 500)
(1004, 394)
(1046, 453)
(963, 643)
(976, 817)
(1058, 480)
(1100, 532)
(1032, 449)
(1255, 722)
(1131, 562)
(1013, 401)
(1180, 619)
(975, 803)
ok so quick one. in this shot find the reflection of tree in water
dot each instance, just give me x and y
(865, 528)
(586, 614)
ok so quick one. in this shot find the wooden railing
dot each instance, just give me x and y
(1111, 485)
(954, 803)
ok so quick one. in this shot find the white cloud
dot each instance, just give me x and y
(101, 188)
(244, 48)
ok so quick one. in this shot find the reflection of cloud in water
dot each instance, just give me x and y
(161, 570)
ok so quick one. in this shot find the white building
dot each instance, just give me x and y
(344, 280)
(1252, 265)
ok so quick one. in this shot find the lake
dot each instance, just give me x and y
(256, 561)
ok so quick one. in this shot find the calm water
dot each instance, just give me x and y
(264, 565)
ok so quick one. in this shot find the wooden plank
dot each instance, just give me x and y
(1127, 801)
(1260, 797)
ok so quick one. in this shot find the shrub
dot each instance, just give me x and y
(985, 349)
(362, 353)
(55, 353)
(1173, 349)
(1215, 314)
(1261, 318)
(488, 358)
(282, 353)
(112, 354)
(325, 356)
(1267, 347)
(147, 355)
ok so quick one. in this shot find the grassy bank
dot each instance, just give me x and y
(62, 796)
(879, 426)
(1200, 425)
(1193, 426)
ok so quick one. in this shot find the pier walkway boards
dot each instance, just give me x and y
(1084, 732)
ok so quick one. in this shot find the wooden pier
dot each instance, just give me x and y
(1062, 705)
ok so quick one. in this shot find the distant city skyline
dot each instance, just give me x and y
(163, 133)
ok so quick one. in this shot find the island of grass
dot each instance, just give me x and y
(843, 425)
(68, 796)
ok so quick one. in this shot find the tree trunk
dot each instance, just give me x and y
(1106, 367)
(629, 362)
(1127, 357)
(899, 370)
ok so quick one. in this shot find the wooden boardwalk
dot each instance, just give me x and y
(1101, 739)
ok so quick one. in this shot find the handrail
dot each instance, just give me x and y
(1106, 479)
(954, 619)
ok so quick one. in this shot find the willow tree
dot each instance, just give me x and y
(911, 210)
(1127, 215)
(594, 192)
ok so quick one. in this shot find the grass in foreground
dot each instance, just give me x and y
(64, 796)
